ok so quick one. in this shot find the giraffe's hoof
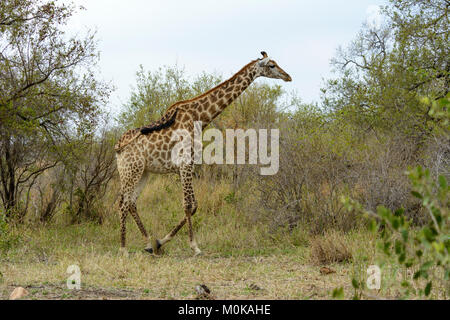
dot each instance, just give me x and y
(197, 253)
(155, 247)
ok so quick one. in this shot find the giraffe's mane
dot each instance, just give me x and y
(212, 89)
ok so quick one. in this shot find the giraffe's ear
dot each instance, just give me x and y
(264, 61)
(264, 54)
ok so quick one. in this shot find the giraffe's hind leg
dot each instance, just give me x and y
(131, 187)
(123, 226)
(137, 219)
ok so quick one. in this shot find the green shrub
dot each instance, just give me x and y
(7, 239)
(424, 251)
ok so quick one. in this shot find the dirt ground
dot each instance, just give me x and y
(144, 277)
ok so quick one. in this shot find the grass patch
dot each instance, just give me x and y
(329, 249)
(229, 268)
(240, 254)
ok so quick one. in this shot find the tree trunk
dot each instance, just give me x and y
(8, 178)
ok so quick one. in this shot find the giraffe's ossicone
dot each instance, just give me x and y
(148, 149)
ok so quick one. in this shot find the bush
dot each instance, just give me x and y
(426, 251)
(7, 239)
(90, 177)
(328, 249)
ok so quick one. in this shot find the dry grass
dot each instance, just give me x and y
(175, 277)
(329, 249)
(232, 268)
(243, 259)
(238, 256)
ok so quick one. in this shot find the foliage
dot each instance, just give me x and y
(386, 70)
(383, 112)
(7, 239)
(89, 178)
(48, 95)
(157, 90)
(427, 249)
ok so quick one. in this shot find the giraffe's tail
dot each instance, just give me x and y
(166, 121)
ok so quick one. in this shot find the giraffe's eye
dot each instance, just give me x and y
(271, 67)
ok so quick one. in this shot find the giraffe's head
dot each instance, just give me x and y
(270, 69)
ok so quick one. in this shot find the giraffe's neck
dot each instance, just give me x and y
(211, 104)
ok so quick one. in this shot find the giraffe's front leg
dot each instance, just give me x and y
(189, 203)
(190, 207)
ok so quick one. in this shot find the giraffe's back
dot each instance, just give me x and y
(165, 122)
(153, 151)
(126, 138)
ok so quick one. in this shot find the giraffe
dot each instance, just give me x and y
(146, 150)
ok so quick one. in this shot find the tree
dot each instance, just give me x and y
(48, 93)
(158, 90)
(385, 73)
(94, 168)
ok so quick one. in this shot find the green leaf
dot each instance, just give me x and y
(437, 214)
(355, 283)
(398, 247)
(395, 224)
(428, 289)
(338, 293)
(355, 297)
(386, 248)
(426, 265)
(399, 212)
(439, 246)
(416, 194)
(405, 235)
(443, 182)
(428, 233)
(372, 226)
(383, 212)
